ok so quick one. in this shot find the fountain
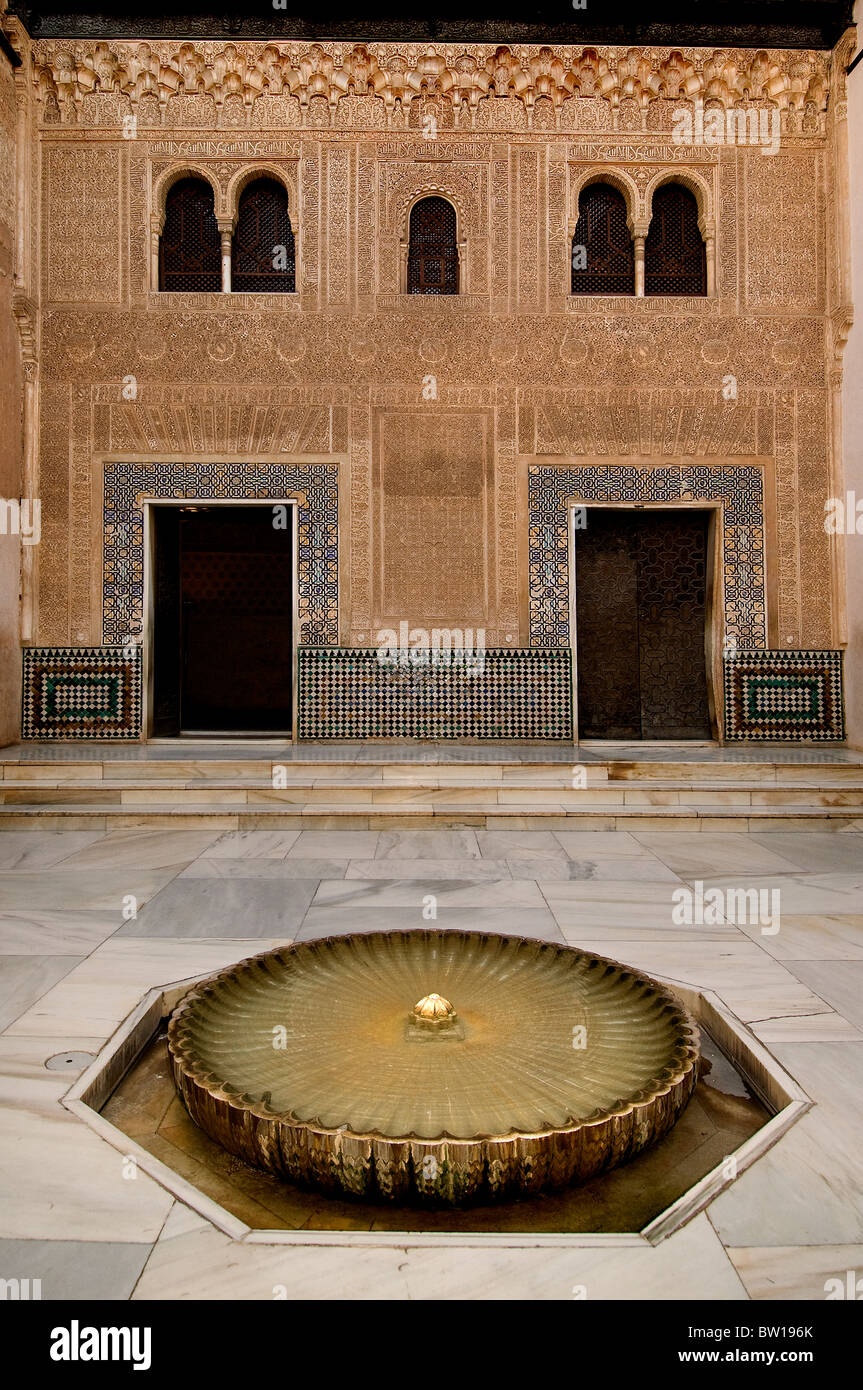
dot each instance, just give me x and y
(441, 1066)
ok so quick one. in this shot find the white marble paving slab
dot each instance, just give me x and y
(70, 1270)
(525, 844)
(612, 902)
(335, 844)
(96, 996)
(799, 1272)
(228, 907)
(59, 1181)
(490, 869)
(804, 1191)
(821, 1027)
(504, 893)
(592, 844)
(340, 919)
(712, 852)
(252, 844)
(427, 844)
(839, 982)
(817, 851)
(26, 1083)
(837, 936)
(79, 889)
(24, 979)
(140, 849)
(802, 894)
(34, 849)
(264, 868)
(201, 1262)
(54, 931)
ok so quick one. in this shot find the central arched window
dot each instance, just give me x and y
(675, 259)
(603, 260)
(190, 253)
(433, 248)
(262, 255)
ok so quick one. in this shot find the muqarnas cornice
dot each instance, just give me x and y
(67, 71)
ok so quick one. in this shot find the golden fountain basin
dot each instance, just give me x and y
(433, 1065)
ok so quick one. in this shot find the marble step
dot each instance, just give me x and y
(417, 815)
(130, 766)
(430, 791)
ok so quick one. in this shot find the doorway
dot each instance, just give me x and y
(223, 619)
(641, 610)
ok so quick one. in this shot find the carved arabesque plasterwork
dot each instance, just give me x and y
(259, 376)
(482, 86)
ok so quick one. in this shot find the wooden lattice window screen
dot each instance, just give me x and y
(190, 253)
(262, 256)
(608, 257)
(433, 249)
(675, 259)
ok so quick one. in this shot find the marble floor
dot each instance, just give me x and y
(89, 921)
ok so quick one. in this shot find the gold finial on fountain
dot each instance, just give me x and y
(434, 1008)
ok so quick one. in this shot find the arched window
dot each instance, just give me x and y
(603, 260)
(433, 249)
(190, 252)
(675, 260)
(262, 256)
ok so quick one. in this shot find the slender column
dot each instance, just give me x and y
(226, 230)
(639, 232)
(403, 267)
(639, 265)
(710, 256)
(155, 233)
(708, 232)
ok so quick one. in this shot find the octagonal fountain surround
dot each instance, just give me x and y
(440, 1066)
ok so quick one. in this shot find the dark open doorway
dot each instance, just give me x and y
(641, 613)
(223, 620)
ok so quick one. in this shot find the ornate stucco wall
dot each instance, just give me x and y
(433, 409)
(853, 404)
(11, 400)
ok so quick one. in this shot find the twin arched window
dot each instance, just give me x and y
(603, 256)
(263, 258)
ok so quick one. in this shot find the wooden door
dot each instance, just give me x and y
(641, 611)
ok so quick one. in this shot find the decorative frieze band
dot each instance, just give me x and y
(67, 71)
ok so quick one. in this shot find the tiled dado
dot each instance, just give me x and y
(788, 696)
(740, 488)
(350, 693)
(81, 692)
(318, 536)
(347, 693)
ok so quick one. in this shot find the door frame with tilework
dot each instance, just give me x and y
(148, 503)
(714, 627)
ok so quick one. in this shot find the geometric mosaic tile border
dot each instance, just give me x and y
(346, 692)
(792, 696)
(318, 535)
(740, 489)
(81, 692)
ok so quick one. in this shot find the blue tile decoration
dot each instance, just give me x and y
(795, 696)
(739, 487)
(318, 537)
(347, 693)
(81, 692)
